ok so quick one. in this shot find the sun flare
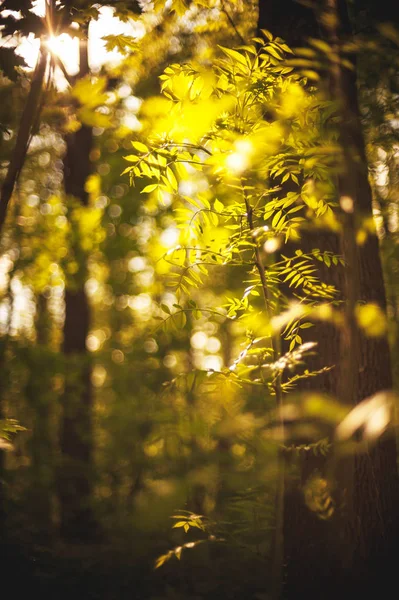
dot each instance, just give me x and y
(66, 48)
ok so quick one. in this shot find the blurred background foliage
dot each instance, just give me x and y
(170, 434)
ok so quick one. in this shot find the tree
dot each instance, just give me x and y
(75, 490)
(365, 369)
(75, 485)
(313, 547)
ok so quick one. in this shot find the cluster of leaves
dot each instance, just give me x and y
(8, 429)
(251, 121)
(263, 143)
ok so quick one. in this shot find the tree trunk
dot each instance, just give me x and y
(3, 344)
(75, 490)
(40, 399)
(353, 550)
(4, 387)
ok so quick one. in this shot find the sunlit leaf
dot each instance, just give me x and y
(371, 418)
(371, 319)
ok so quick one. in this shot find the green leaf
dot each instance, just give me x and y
(273, 52)
(140, 147)
(180, 524)
(149, 188)
(179, 7)
(89, 93)
(218, 206)
(180, 319)
(93, 118)
(236, 56)
(127, 170)
(371, 319)
(171, 178)
(122, 43)
(276, 218)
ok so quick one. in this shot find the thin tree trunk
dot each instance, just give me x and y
(76, 487)
(27, 122)
(4, 383)
(3, 344)
(26, 125)
(40, 398)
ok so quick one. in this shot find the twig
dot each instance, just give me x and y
(234, 26)
(28, 119)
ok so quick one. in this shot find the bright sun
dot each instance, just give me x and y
(66, 48)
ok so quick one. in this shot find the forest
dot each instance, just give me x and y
(199, 299)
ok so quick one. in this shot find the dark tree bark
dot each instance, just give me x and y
(27, 123)
(75, 487)
(354, 551)
(3, 345)
(4, 386)
(40, 361)
(28, 120)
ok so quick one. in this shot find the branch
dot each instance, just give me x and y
(28, 118)
(58, 62)
(234, 26)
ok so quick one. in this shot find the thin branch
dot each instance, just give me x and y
(190, 310)
(58, 62)
(234, 26)
(28, 119)
(277, 387)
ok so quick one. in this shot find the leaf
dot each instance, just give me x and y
(179, 7)
(273, 52)
(171, 178)
(5, 445)
(140, 147)
(149, 188)
(93, 118)
(9, 61)
(90, 93)
(127, 170)
(122, 43)
(180, 524)
(276, 218)
(192, 202)
(267, 35)
(236, 56)
(180, 319)
(371, 417)
(218, 206)
(161, 560)
(371, 319)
